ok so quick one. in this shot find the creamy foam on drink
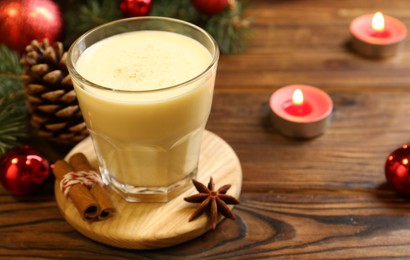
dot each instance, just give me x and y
(143, 60)
(148, 138)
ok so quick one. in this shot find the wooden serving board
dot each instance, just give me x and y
(157, 225)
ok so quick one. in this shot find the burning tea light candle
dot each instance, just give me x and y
(378, 30)
(377, 35)
(301, 111)
(297, 106)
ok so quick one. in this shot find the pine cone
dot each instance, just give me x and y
(51, 100)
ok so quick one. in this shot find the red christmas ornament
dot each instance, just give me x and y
(397, 170)
(22, 21)
(131, 8)
(210, 7)
(23, 170)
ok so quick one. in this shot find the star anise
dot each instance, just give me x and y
(213, 201)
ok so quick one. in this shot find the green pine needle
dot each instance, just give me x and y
(181, 9)
(85, 15)
(12, 96)
(230, 28)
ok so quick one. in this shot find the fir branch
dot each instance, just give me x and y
(12, 96)
(181, 9)
(12, 127)
(231, 29)
(10, 63)
(10, 83)
(85, 15)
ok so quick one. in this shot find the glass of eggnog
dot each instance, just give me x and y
(145, 87)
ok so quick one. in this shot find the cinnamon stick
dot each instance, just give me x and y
(80, 163)
(79, 194)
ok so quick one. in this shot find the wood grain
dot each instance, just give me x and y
(157, 225)
(326, 198)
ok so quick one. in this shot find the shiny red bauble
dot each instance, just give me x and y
(23, 170)
(132, 8)
(210, 7)
(397, 170)
(22, 21)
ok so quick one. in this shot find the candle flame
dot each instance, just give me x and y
(378, 22)
(297, 97)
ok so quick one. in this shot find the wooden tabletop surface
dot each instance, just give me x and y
(317, 199)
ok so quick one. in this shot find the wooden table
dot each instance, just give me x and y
(322, 198)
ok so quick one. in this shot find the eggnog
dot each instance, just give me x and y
(145, 97)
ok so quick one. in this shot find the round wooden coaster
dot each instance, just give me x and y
(157, 225)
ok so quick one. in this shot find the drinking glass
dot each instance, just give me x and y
(146, 133)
